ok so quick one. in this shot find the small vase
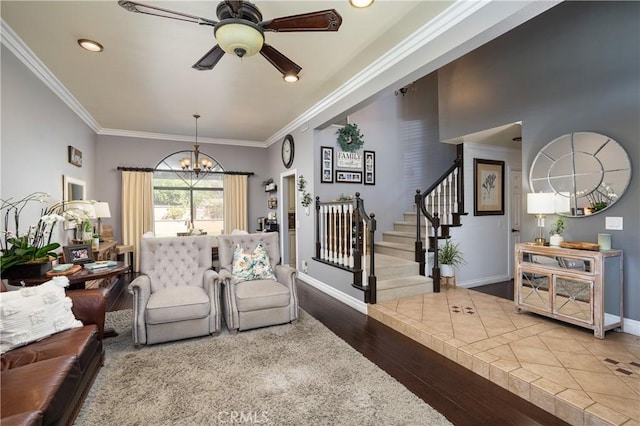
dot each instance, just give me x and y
(555, 240)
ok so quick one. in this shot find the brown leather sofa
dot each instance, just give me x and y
(46, 382)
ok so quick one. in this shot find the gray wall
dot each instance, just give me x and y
(37, 127)
(574, 68)
(114, 151)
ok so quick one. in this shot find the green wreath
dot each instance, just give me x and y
(350, 138)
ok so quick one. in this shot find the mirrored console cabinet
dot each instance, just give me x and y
(576, 286)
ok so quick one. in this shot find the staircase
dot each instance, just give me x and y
(397, 271)
(400, 272)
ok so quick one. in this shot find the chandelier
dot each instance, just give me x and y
(199, 165)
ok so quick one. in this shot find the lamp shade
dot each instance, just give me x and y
(563, 202)
(541, 203)
(101, 209)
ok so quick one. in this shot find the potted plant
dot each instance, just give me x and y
(556, 232)
(450, 257)
(269, 185)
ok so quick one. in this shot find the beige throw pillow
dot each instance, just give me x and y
(33, 313)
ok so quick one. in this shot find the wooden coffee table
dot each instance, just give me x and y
(78, 281)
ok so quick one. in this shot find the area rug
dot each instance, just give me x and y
(300, 374)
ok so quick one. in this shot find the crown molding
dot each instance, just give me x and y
(179, 138)
(15, 44)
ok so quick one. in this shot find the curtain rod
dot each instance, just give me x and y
(149, 169)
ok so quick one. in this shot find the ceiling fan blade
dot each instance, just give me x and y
(209, 60)
(132, 6)
(278, 60)
(324, 20)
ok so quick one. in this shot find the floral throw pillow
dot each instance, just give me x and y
(251, 266)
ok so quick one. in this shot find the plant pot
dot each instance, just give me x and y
(447, 270)
(555, 240)
(27, 270)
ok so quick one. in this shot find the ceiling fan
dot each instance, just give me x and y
(240, 31)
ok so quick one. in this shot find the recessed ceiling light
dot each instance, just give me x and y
(361, 4)
(90, 45)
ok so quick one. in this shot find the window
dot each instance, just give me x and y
(182, 199)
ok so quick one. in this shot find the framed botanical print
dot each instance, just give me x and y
(488, 187)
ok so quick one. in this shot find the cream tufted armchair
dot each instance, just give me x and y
(178, 294)
(261, 302)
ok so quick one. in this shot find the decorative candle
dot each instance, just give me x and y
(604, 241)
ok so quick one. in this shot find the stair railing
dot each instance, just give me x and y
(344, 233)
(441, 204)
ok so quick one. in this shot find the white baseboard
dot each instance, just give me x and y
(350, 301)
(631, 326)
(483, 281)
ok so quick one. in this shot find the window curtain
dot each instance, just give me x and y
(137, 209)
(235, 203)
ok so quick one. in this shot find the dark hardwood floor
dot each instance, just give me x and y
(463, 397)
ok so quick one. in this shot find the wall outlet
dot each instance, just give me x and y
(305, 267)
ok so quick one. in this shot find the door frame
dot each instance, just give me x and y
(283, 208)
(512, 240)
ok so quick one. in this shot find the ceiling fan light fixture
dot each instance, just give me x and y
(361, 4)
(290, 77)
(90, 45)
(239, 38)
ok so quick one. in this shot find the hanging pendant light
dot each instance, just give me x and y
(199, 165)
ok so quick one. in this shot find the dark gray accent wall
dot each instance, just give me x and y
(574, 68)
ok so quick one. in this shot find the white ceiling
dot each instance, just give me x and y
(143, 81)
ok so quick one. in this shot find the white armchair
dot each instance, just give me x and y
(178, 294)
(258, 302)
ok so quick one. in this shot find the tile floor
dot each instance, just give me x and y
(560, 368)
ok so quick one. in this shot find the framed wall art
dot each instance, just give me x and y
(488, 187)
(326, 169)
(369, 168)
(344, 176)
(78, 254)
(75, 156)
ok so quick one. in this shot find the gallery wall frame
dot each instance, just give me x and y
(326, 166)
(369, 168)
(344, 176)
(488, 187)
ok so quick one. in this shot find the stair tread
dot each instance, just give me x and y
(397, 246)
(400, 233)
(386, 260)
(403, 282)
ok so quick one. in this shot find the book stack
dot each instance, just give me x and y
(101, 264)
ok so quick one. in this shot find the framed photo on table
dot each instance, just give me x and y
(326, 169)
(488, 187)
(369, 168)
(78, 254)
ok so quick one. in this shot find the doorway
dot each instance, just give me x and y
(515, 214)
(288, 213)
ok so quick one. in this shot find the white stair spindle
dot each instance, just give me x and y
(350, 241)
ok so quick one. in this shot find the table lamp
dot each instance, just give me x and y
(101, 209)
(541, 204)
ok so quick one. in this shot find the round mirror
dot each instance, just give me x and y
(588, 170)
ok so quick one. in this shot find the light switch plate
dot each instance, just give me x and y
(613, 223)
